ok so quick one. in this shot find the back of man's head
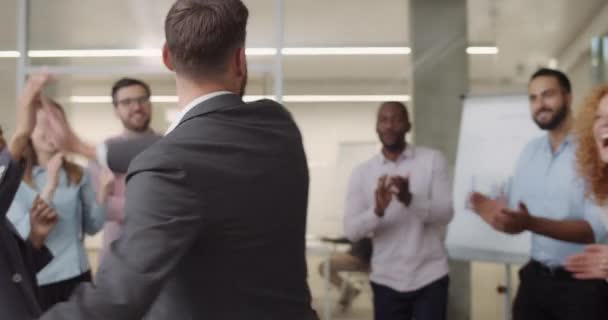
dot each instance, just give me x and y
(202, 35)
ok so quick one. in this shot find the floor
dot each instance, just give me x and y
(361, 308)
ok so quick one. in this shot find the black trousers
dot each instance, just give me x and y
(427, 303)
(61, 291)
(553, 294)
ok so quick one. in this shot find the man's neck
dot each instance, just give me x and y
(134, 134)
(559, 134)
(188, 90)
(393, 155)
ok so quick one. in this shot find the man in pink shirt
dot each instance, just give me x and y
(131, 100)
(402, 199)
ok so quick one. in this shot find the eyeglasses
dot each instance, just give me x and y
(143, 100)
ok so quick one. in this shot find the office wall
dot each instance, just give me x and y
(582, 82)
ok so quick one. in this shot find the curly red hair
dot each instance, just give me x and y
(590, 166)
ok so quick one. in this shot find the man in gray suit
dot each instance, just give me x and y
(21, 259)
(216, 210)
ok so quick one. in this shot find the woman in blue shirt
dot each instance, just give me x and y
(67, 188)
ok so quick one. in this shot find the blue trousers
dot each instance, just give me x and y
(427, 303)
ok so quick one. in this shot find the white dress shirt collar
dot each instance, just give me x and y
(191, 105)
(408, 153)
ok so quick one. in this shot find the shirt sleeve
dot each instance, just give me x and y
(116, 200)
(360, 220)
(593, 215)
(101, 153)
(93, 213)
(436, 206)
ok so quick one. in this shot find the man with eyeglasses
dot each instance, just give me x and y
(131, 100)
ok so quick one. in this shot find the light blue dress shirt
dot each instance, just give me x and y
(547, 182)
(77, 208)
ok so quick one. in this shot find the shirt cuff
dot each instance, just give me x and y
(101, 152)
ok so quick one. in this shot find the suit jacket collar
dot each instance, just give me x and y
(212, 105)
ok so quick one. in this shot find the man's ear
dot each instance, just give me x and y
(167, 58)
(240, 62)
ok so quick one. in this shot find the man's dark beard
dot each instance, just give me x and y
(395, 147)
(556, 121)
(141, 129)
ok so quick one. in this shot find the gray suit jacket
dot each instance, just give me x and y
(19, 260)
(215, 228)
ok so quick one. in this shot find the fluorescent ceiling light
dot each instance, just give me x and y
(287, 98)
(94, 53)
(91, 99)
(345, 98)
(319, 51)
(166, 99)
(261, 51)
(346, 51)
(482, 50)
(553, 63)
(9, 54)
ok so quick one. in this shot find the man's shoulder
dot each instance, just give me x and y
(270, 106)
(265, 103)
(158, 156)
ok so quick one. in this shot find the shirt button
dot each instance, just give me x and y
(17, 278)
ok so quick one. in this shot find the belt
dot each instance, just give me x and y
(558, 273)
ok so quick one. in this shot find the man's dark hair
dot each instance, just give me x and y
(127, 82)
(202, 34)
(561, 77)
(397, 104)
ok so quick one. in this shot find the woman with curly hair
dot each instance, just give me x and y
(592, 161)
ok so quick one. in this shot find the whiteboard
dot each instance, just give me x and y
(494, 130)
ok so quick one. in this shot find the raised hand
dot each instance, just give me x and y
(42, 221)
(106, 183)
(514, 221)
(401, 188)
(487, 208)
(27, 106)
(60, 131)
(591, 264)
(53, 169)
(383, 196)
(29, 102)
